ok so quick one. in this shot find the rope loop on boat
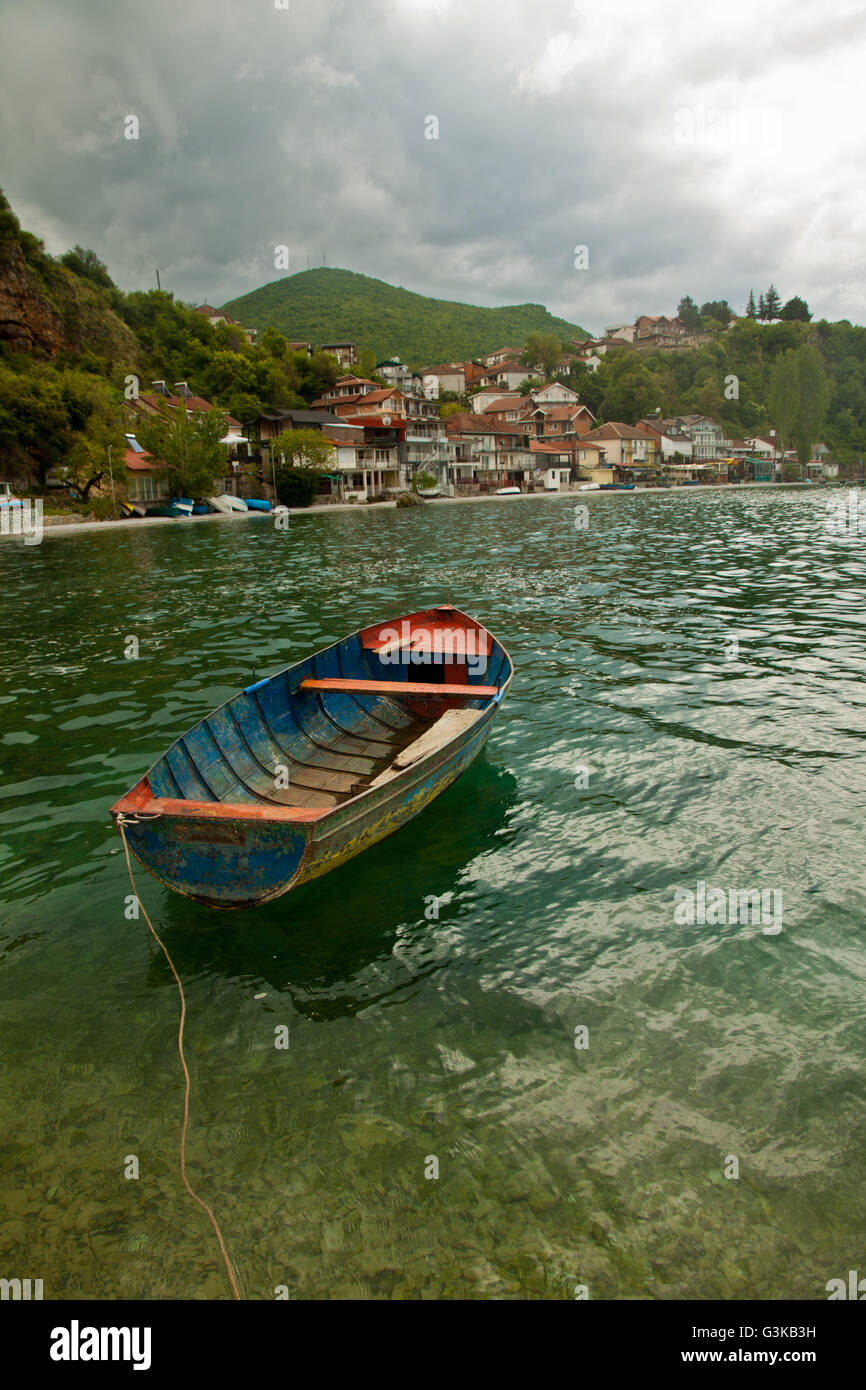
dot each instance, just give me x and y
(122, 822)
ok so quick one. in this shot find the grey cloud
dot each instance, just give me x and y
(261, 127)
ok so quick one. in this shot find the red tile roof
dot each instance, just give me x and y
(153, 402)
(141, 463)
(614, 430)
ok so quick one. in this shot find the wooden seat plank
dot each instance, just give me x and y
(397, 688)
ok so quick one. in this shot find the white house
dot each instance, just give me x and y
(395, 372)
(484, 399)
(508, 375)
(623, 331)
(451, 377)
(555, 394)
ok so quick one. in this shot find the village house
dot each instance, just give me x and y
(821, 464)
(482, 400)
(345, 388)
(475, 374)
(215, 316)
(154, 403)
(345, 353)
(553, 464)
(508, 375)
(450, 377)
(382, 399)
(472, 441)
(555, 394)
(487, 453)
(426, 442)
(559, 422)
(592, 350)
(145, 476)
(493, 359)
(674, 443)
(592, 462)
(708, 437)
(301, 347)
(655, 330)
(623, 331)
(273, 423)
(509, 409)
(144, 473)
(396, 373)
(625, 446)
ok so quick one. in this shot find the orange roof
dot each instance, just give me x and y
(153, 402)
(141, 463)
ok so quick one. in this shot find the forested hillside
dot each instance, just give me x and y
(328, 306)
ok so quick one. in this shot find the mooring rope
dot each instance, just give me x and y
(121, 825)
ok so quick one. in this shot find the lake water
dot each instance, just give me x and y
(639, 753)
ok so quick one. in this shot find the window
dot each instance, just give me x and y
(142, 489)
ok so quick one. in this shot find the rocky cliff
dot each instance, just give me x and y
(46, 309)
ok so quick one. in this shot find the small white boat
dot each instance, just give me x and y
(508, 492)
(590, 487)
(429, 492)
(233, 504)
(217, 504)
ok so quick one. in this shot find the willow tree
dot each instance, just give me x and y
(798, 397)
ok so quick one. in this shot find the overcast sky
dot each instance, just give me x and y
(691, 147)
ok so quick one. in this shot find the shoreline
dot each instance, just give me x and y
(55, 526)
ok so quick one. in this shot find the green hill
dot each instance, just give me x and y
(327, 306)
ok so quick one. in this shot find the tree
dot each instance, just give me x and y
(762, 308)
(813, 400)
(273, 343)
(86, 465)
(304, 449)
(297, 487)
(796, 309)
(773, 303)
(631, 395)
(798, 398)
(718, 309)
(782, 396)
(544, 351)
(84, 262)
(367, 365)
(529, 384)
(689, 314)
(190, 447)
(751, 310)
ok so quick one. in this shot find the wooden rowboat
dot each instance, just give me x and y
(299, 773)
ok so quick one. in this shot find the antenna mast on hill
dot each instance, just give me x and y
(158, 285)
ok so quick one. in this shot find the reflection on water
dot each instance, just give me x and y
(688, 706)
(321, 954)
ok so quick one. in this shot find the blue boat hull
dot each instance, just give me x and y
(209, 819)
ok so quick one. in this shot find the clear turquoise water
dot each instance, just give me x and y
(452, 1038)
